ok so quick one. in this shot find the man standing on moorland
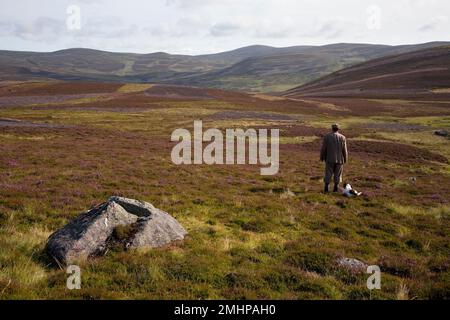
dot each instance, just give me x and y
(334, 153)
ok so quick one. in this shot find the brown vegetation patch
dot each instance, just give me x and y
(398, 107)
(397, 151)
(302, 130)
(232, 115)
(58, 88)
(119, 103)
(395, 127)
(382, 150)
(179, 92)
(12, 101)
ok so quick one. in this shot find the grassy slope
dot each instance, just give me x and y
(252, 237)
(418, 73)
(254, 68)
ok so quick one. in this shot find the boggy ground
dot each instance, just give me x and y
(250, 236)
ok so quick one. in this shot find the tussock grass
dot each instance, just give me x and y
(297, 140)
(411, 211)
(21, 259)
(134, 87)
(444, 90)
(18, 137)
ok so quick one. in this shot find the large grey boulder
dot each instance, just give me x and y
(92, 232)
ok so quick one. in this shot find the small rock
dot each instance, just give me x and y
(353, 265)
(441, 133)
(92, 232)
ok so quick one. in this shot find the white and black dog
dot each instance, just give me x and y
(350, 192)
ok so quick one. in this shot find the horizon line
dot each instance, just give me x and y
(231, 50)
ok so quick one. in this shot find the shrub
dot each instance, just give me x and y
(414, 244)
(318, 262)
(123, 232)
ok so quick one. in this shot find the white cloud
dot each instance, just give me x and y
(434, 23)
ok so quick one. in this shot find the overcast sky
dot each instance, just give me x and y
(208, 26)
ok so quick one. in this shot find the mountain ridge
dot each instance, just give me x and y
(256, 68)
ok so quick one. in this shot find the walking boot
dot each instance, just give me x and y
(336, 187)
(325, 190)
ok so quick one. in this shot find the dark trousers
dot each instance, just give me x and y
(333, 169)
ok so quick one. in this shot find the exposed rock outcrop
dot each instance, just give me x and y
(92, 232)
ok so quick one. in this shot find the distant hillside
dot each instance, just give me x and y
(419, 73)
(253, 68)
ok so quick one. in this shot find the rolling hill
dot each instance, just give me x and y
(253, 68)
(422, 73)
(282, 70)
